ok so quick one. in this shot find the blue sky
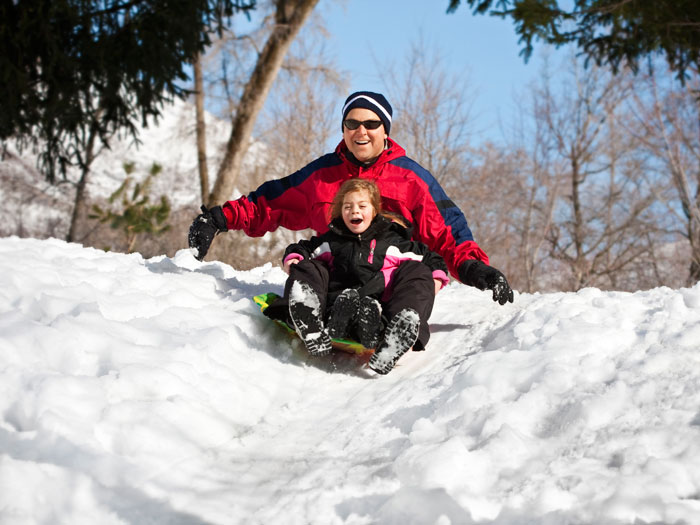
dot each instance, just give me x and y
(365, 33)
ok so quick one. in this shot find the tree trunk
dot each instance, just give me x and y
(77, 206)
(201, 128)
(694, 237)
(79, 202)
(289, 18)
(579, 263)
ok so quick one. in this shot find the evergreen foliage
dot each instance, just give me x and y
(75, 69)
(612, 32)
(134, 213)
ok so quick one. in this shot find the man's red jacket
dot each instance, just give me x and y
(303, 200)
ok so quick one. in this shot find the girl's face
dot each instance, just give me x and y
(365, 144)
(357, 211)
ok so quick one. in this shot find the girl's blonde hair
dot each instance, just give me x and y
(351, 186)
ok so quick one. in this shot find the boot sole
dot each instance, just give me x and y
(339, 320)
(400, 336)
(369, 325)
(308, 327)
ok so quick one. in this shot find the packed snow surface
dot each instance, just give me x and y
(140, 391)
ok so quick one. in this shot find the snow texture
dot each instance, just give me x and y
(140, 391)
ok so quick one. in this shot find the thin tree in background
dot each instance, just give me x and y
(598, 227)
(299, 122)
(87, 145)
(433, 109)
(492, 196)
(289, 17)
(201, 130)
(537, 172)
(668, 123)
(302, 118)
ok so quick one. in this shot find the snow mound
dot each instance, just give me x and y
(152, 391)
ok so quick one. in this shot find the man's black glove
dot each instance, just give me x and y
(204, 229)
(481, 276)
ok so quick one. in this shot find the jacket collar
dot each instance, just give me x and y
(391, 152)
(379, 223)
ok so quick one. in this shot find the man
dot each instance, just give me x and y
(302, 200)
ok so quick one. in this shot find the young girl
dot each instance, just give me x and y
(365, 266)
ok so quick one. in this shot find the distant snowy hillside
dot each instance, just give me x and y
(153, 391)
(28, 199)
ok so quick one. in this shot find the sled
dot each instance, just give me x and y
(346, 345)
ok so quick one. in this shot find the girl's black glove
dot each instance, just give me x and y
(204, 229)
(481, 276)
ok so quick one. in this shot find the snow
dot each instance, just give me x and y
(136, 391)
(32, 207)
(170, 142)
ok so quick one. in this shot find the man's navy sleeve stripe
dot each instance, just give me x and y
(444, 204)
(274, 188)
(451, 214)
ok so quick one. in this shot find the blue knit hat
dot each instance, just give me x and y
(374, 102)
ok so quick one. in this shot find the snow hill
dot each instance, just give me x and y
(32, 207)
(152, 391)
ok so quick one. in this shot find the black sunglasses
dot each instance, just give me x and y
(352, 124)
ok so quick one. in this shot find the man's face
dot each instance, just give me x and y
(365, 144)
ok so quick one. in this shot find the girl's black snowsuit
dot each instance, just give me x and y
(382, 263)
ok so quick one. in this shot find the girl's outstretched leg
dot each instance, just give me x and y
(307, 316)
(305, 292)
